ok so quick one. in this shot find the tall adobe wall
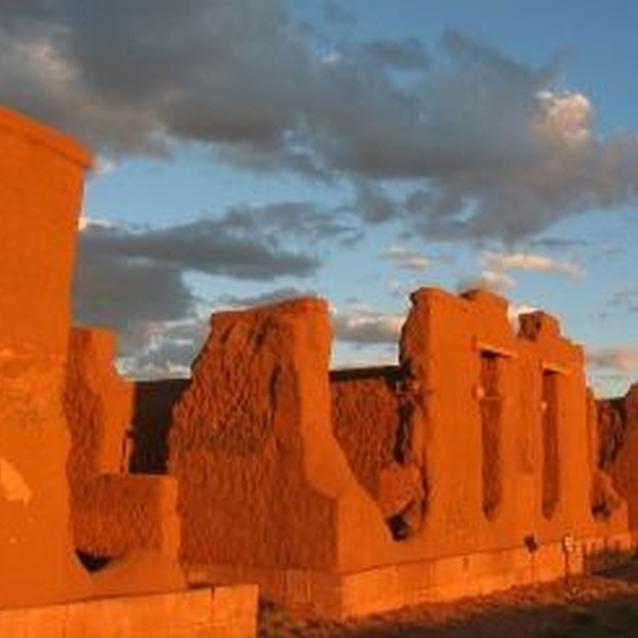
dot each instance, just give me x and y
(41, 181)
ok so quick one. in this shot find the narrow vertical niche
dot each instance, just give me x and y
(490, 407)
(551, 468)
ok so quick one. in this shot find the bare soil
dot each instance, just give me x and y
(583, 607)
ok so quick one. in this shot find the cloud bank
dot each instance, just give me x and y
(492, 146)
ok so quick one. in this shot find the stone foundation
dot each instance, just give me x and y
(224, 612)
(391, 587)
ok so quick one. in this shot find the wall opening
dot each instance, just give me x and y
(551, 468)
(490, 408)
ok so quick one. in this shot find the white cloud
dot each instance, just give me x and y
(493, 280)
(501, 262)
(406, 259)
(619, 359)
(366, 326)
(514, 311)
(565, 117)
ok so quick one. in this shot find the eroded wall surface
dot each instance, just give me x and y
(113, 512)
(262, 481)
(508, 451)
(618, 450)
(372, 420)
(41, 180)
(479, 441)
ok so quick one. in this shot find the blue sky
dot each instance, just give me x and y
(258, 148)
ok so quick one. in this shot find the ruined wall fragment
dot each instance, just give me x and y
(112, 512)
(262, 481)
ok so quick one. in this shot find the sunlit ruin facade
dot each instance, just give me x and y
(479, 461)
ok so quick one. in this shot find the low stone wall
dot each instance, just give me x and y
(224, 612)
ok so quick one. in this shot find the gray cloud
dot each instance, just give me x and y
(212, 247)
(493, 149)
(364, 326)
(170, 348)
(405, 54)
(134, 280)
(128, 295)
(273, 296)
(620, 360)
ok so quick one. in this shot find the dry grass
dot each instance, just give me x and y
(585, 607)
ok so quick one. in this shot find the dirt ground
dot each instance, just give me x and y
(585, 607)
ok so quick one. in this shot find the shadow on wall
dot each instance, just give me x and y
(152, 415)
(618, 446)
(373, 420)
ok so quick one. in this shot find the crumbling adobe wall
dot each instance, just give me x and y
(262, 481)
(112, 512)
(618, 451)
(41, 181)
(268, 451)
(507, 435)
(371, 421)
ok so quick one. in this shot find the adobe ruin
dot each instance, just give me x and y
(469, 466)
(479, 461)
(62, 408)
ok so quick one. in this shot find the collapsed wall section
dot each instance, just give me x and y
(113, 512)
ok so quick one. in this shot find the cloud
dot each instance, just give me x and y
(496, 268)
(364, 326)
(621, 360)
(223, 246)
(136, 280)
(496, 281)
(405, 259)
(404, 54)
(170, 348)
(373, 203)
(493, 147)
(532, 262)
(273, 296)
